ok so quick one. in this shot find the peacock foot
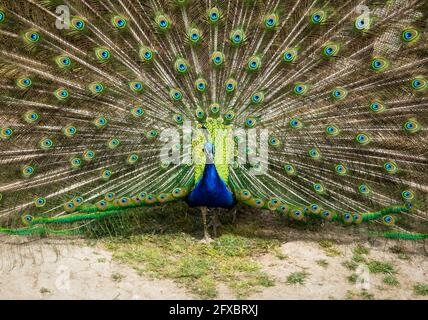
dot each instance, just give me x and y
(206, 239)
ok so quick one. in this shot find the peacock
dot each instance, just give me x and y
(308, 109)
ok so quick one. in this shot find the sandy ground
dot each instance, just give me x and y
(330, 282)
(63, 270)
(71, 269)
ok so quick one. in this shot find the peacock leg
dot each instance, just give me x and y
(207, 237)
(234, 215)
(215, 222)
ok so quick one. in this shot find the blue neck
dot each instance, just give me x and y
(210, 191)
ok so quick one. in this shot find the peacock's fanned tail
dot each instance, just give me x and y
(336, 89)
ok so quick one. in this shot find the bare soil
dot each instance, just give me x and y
(76, 269)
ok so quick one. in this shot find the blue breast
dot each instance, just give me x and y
(210, 191)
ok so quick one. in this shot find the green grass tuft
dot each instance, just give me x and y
(352, 278)
(396, 249)
(360, 250)
(117, 277)
(358, 259)
(350, 265)
(297, 278)
(362, 295)
(44, 290)
(329, 248)
(322, 263)
(400, 252)
(391, 281)
(420, 289)
(381, 267)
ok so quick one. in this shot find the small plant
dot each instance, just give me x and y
(391, 281)
(364, 294)
(350, 265)
(360, 249)
(352, 278)
(376, 266)
(117, 277)
(297, 278)
(245, 287)
(403, 256)
(358, 258)
(400, 252)
(396, 249)
(326, 243)
(280, 255)
(329, 248)
(349, 295)
(420, 289)
(322, 263)
(265, 281)
(44, 290)
(206, 288)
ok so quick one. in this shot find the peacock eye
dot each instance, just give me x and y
(181, 65)
(77, 23)
(410, 35)
(163, 22)
(419, 83)
(300, 88)
(362, 23)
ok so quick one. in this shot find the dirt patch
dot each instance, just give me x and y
(331, 279)
(72, 270)
(259, 257)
